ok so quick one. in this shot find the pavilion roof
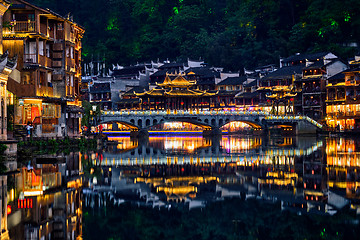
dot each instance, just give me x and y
(179, 81)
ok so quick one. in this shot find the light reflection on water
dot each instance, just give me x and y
(307, 175)
(296, 171)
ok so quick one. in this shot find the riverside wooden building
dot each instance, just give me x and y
(45, 83)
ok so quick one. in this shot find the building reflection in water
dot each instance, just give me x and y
(45, 199)
(343, 167)
(303, 173)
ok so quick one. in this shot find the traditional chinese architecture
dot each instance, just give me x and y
(343, 100)
(46, 80)
(179, 94)
(274, 90)
(313, 84)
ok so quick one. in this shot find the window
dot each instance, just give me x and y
(67, 51)
(41, 48)
(72, 52)
(48, 50)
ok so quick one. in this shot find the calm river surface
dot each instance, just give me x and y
(191, 187)
(229, 187)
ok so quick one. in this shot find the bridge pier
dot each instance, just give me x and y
(141, 133)
(212, 132)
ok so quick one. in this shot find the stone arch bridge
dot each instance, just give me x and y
(211, 121)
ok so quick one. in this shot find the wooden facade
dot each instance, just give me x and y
(48, 73)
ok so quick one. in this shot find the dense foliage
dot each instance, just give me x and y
(232, 33)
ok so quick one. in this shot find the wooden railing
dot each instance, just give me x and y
(25, 26)
(30, 58)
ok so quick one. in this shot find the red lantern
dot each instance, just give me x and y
(182, 103)
(291, 99)
(268, 100)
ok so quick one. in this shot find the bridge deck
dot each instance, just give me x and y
(182, 113)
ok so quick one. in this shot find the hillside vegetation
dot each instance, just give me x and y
(232, 33)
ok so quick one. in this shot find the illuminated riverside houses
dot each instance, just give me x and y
(46, 80)
(6, 67)
(177, 93)
(343, 100)
(278, 92)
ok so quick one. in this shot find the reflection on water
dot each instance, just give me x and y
(306, 175)
(45, 199)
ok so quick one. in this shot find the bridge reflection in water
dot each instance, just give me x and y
(305, 174)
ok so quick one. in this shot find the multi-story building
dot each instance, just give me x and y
(100, 94)
(48, 73)
(303, 77)
(280, 81)
(343, 100)
(7, 65)
(228, 89)
(314, 79)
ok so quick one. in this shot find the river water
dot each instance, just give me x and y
(191, 187)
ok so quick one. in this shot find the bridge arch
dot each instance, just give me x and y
(221, 122)
(130, 125)
(250, 123)
(139, 123)
(193, 122)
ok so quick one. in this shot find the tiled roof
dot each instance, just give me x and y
(171, 65)
(284, 73)
(304, 56)
(352, 70)
(100, 88)
(203, 72)
(247, 95)
(250, 84)
(131, 70)
(162, 73)
(233, 81)
(339, 76)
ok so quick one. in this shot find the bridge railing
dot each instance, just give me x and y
(181, 112)
(210, 113)
(298, 118)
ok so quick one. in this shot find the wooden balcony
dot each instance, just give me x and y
(58, 55)
(56, 64)
(60, 34)
(43, 28)
(30, 58)
(58, 47)
(45, 61)
(25, 26)
(42, 60)
(45, 91)
(21, 90)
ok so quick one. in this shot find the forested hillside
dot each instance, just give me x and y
(229, 33)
